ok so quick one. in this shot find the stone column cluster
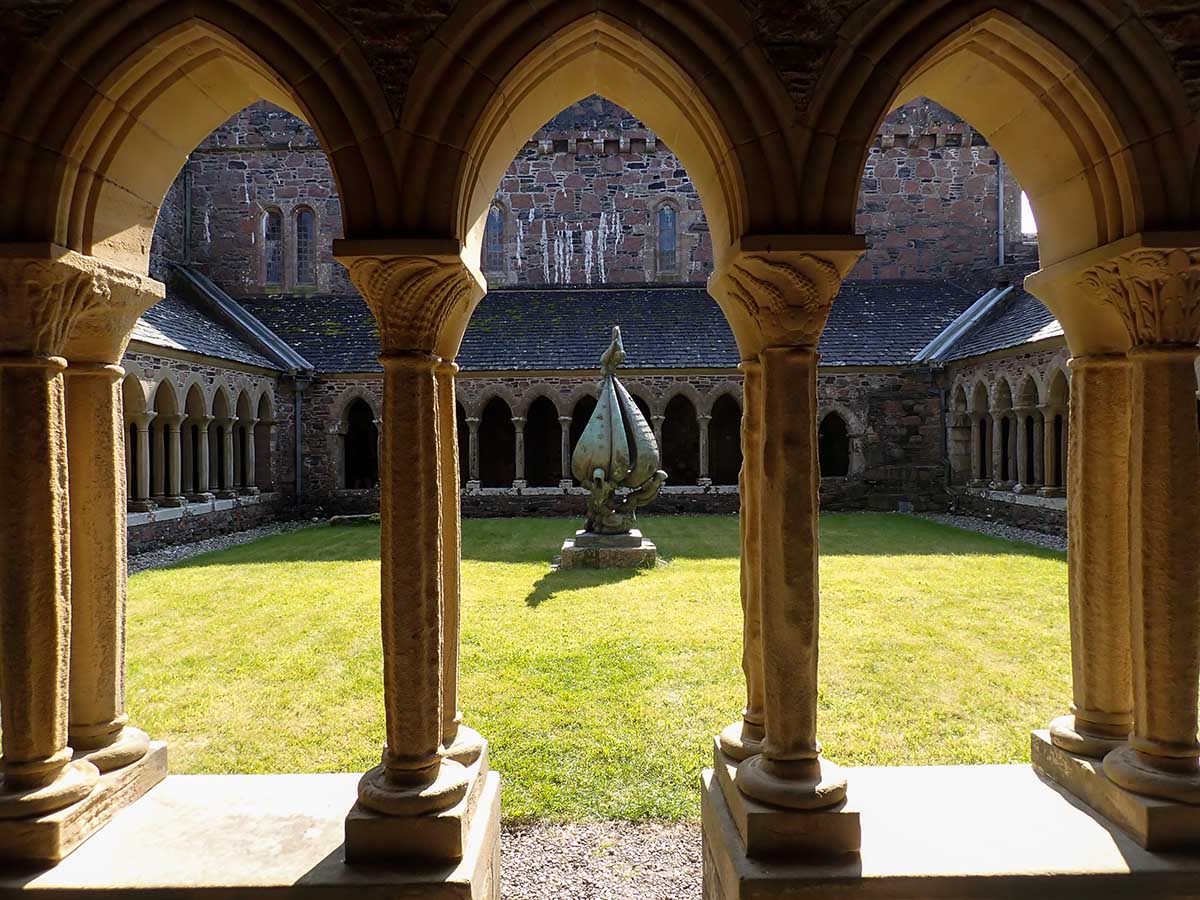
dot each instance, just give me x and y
(424, 764)
(64, 323)
(781, 299)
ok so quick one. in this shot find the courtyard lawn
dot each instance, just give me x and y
(600, 691)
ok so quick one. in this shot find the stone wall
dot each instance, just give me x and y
(163, 528)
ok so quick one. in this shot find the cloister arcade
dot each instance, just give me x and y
(1011, 435)
(188, 442)
(1081, 99)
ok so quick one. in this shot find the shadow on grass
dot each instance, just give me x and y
(550, 584)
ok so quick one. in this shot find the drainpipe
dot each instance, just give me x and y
(187, 214)
(301, 384)
(999, 211)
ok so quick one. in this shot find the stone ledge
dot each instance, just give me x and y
(190, 509)
(1059, 503)
(249, 836)
(960, 832)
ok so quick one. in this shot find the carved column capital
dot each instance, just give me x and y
(55, 302)
(414, 297)
(786, 293)
(1156, 291)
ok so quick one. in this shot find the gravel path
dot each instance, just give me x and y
(609, 860)
(156, 559)
(1000, 530)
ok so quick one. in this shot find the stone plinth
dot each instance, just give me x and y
(588, 550)
(50, 838)
(962, 832)
(767, 831)
(1155, 824)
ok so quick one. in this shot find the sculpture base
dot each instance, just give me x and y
(1155, 824)
(589, 550)
(44, 840)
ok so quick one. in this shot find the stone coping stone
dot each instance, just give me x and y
(959, 832)
(251, 836)
(591, 539)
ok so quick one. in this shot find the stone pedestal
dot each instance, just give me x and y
(588, 550)
(50, 838)
(1159, 825)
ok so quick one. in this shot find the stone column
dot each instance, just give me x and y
(1050, 452)
(158, 457)
(519, 427)
(788, 295)
(473, 453)
(249, 487)
(1098, 560)
(41, 301)
(410, 297)
(565, 481)
(1023, 473)
(1014, 427)
(1039, 457)
(656, 422)
(378, 423)
(461, 743)
(977, 473)
(141, 491)
(272, 431)
(743, 739)
(997, 450)
(1157, 293)
(702, 422)
(172, 460)
(204, 494)
(229, 491)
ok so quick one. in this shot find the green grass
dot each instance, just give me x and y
(600, 691)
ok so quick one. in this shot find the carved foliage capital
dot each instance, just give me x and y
(1156, 291)
(70, 304)
(788, 294)
(413, 297)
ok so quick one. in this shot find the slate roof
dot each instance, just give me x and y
(888, 321)
(1019, 319)
(178, 322)
(873, 323)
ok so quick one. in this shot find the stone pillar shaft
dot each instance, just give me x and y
(473, 449)
(997, 448)
(1098, 559)
(519, 428)
(1039, 457)
(203, 477)
(451, 551)
(174, 456)
(564, 424)
(158, 468)
(1023, 474)
(143, 455)
(227, 443)
(1050, 448)
(35, 617)
(702, 422)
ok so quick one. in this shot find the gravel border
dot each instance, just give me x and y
(609, 860)
(156, 559)
(1000, 530)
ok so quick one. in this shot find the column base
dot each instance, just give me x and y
(1025, 489)
(1052, 492)
(202, 497)
(566, 484)
(468, 747)
(47, 839)
(1126, 767)
(130, 746)
(249, 491)
(226, 495)
(520, 484)
(140, 506)
(171, 502)
(765, 831)
(1155, 824)
(442, 836)
(73, 784)
(810, 784)
(741, 740)
(1066, 734)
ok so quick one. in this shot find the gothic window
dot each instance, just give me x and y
(543, 444)
(361, 447)
(833, 446)
(305, 234)
(493, 251)
(273, 247)
(681, 442)
(667, 239)
(725, 441)
(497, 445)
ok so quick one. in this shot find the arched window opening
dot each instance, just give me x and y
(493, 246)
(273, 248)
(1028, 222)
(725, 441)
(1030, 457)
(464, 444)
(306, 222)
(219, 449)
(833, 446)
(543, 444)
(580, 415)
(497, 445)
(264, 477)
(196, 471)
(193, 455)
(668, 240)
(134, 463)
(361, 447)
(681, 442)
(244, 477)
(1005, 462)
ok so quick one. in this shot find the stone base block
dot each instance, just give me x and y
(588, 550)
(1052, 492)
(372, 837)
(226, 495)
(171, 502)
(1155, 824)
(767, 831)
(45, 840)
(139, 506)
